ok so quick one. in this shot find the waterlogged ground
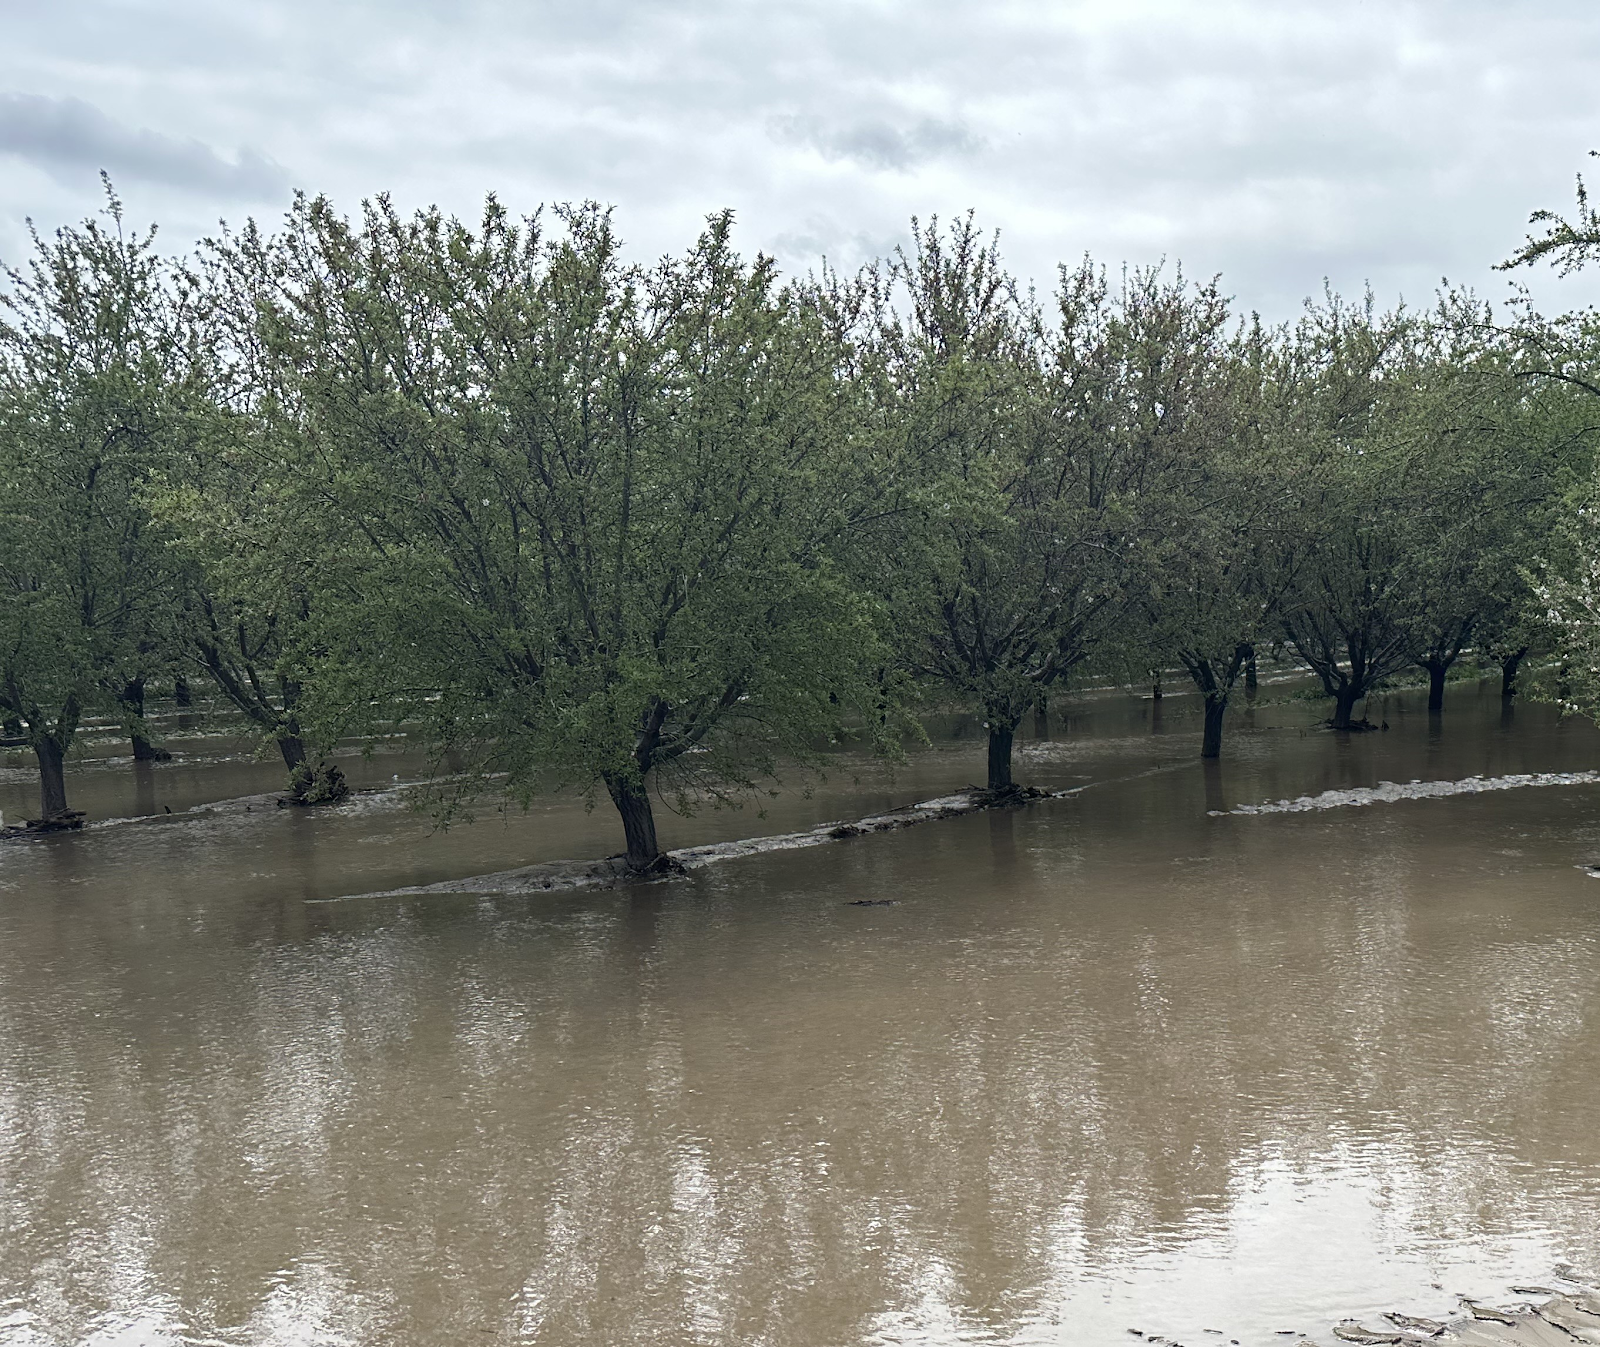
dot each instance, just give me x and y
(1130, 1060)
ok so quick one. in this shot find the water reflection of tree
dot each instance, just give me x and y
(735, 1110)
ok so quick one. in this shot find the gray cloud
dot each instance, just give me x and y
(820, 238)
(875, 142)
(68, 137)
(1275, 141)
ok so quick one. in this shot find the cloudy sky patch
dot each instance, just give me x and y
(874, 142)
(68, 137)
(1274, 141)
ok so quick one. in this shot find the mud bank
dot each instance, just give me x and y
(556, 876)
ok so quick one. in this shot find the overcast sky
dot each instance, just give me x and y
(1275, 141)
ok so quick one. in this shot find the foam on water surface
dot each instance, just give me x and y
(1389, 792)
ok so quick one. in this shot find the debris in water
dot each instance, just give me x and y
(874, 902)
(1488, 1313)
(1432, 1327)
(1354, 1332)
(70, 821)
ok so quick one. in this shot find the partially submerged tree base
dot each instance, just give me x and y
(322, 784)
(614, 871)
(1351, 727)
(68, 821)
(665, 865)
(1008, 797)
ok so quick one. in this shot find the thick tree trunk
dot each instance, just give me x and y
(1000, 737)
(1344, 706)
(52, 779)
(1436, 672)
(1211, 743)
(638, 822)
(1508, 673)
(1250, 673)
(293, 748)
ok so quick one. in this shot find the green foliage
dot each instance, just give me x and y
(1213, 584)
(1570, 245)
(322, 784)
(576, 522)
(93, 368)
(576, 515)
(970, 589)
(250, 545)
(1047, 464)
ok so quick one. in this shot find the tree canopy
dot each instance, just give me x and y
(666, 531)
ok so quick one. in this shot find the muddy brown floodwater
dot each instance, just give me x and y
(1111, 1063)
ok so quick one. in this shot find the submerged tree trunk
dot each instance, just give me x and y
(1508, 673)
(132, 701)
(1214, 679)
(1250, 672)
(1344, 705)
(1000, 737)
(52, 778)
(638, 822)
(1211, 743)
(1436, 672)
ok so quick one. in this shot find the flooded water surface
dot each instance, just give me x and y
(1126, 1061)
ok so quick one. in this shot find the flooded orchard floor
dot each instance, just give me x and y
(1106, 1063)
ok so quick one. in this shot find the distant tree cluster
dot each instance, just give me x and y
(569, 520)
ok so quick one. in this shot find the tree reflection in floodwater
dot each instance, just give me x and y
(1106, 1063)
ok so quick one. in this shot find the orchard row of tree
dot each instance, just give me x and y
(569, 519)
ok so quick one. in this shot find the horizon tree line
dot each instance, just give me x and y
(573, 521)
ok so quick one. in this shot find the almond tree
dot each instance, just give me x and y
(1053, 460)
(1220, 576)
(1351, 615)
(91, 351)
(585, 508)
